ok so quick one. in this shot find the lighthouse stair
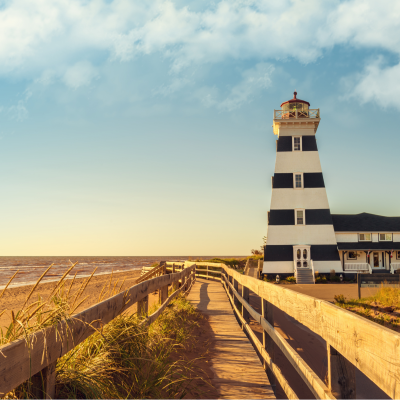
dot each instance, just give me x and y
(304, 276)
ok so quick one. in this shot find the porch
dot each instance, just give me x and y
(370, 260)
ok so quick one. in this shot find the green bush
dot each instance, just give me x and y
(291, 279)
(321, 279)
(339, 298)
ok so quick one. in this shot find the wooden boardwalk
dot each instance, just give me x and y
(238, 372)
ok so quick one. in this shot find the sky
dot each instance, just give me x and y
(133, 128)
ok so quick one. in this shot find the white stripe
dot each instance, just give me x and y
(301, 234)
(297, 161)
(289, 199)
(287, 267)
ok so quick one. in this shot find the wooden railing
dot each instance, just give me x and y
(356, 267)
(394, 267)
(286, 114)
(23, 358)
(352, 341)
(203, 269)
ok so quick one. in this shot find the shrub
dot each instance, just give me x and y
(321, 279)
(339, 298)
(291, 279)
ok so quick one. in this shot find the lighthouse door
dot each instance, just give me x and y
(302, 256)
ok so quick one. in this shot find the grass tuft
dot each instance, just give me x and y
(126, 358)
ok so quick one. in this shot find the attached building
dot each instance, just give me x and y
(302, 234)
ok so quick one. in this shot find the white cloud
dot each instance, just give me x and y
(377, 83)
(69, 40)
(254, 80)
(80, 74)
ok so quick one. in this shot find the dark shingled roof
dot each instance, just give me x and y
(369, 246)
(365, 222)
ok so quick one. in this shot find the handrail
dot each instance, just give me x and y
(356, 267)
(295, 269)
(286, 114)
(156, 271)
(352, 341)
(370, 268)
(24, 358)
(392, 269)
(312, 269)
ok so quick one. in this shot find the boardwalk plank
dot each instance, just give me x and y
(238, 372)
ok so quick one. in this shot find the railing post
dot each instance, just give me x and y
(235, 299)
(163, 291)
(246, 296)
(173, 268)
(143, 307)
(44, 382)
(267, 312)
(341, 375)
(207, 272)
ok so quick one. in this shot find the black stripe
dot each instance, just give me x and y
(319, 252)
(283, 181)
(284, 143)
(309, 143)
(324, 252)
(313, 180)
(318, 217)
(281, 217)
(278, 253)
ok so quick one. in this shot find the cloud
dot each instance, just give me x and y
(254, 80)
(377, 83)
(80, 74)
(70, 40)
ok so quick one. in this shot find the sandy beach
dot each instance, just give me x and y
(14, 297)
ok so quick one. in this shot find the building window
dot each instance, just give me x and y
(298, 181)
(364, 237)
(352, 255)
(385, 237)
(296, 143)
(299, 215)
(398, 255)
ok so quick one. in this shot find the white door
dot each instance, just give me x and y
(302, 256)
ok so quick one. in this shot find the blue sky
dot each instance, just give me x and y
(144, 128)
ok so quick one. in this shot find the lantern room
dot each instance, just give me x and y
(295, 107)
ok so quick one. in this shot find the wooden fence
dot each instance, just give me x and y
(352, 341)
(26, 358)
(203, 269)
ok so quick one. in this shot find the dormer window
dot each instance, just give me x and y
(296, 143)
(364, 237)
(385, 237)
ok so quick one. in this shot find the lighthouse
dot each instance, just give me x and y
(301, 237)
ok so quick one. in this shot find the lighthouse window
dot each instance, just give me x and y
(297, 143)
(385, 237)
(298, 181)
(299, 216)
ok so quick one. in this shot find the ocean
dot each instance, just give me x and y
(31, 268)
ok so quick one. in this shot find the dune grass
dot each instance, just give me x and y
(125, 359)
(377, 308)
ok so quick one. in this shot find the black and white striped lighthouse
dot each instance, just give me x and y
(300, 235)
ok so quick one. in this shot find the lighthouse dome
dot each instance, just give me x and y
(295, 104)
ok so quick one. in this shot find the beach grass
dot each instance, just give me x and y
(126, 358)
(379, 308)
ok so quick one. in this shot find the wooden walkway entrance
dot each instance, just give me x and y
(238, 372)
